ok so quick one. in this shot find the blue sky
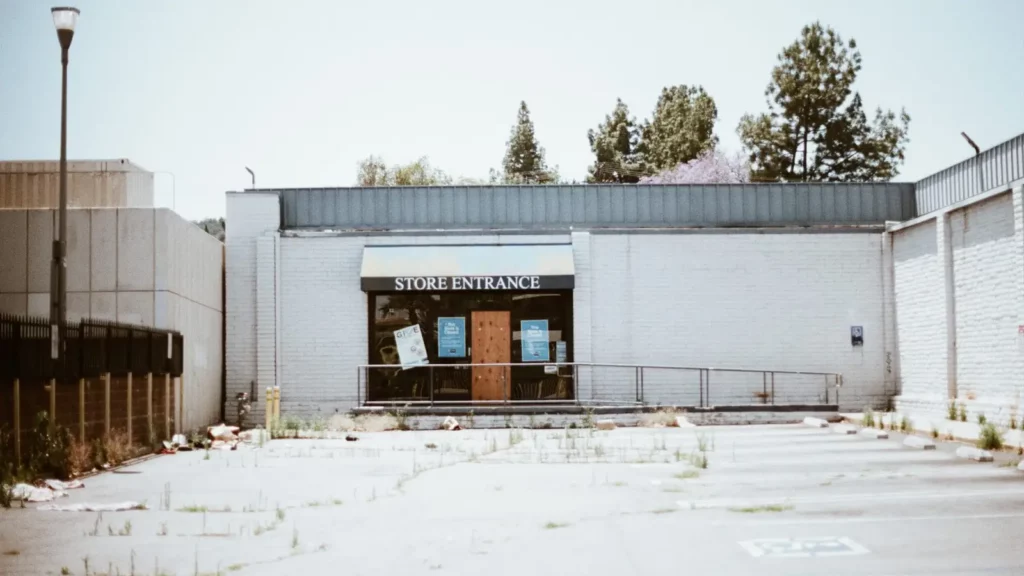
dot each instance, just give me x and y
(301, 90)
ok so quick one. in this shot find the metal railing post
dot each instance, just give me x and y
(764, 387)
(707, 386)
(826, 388)
(701, 387)
(773, 388)
(641, 384)
(431, 369)
(636, 383)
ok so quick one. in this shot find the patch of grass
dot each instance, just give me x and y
(619, 484)
(760, 509)
(951, 411)
(962, 413)
(990, 438)
(279, 514)
(588, 418)
(193, 509)
(686, 474)
(117, 446)
(699, 459)
(664, 510)
(982, 419)
(65, 571)
(1010, 464)
(235, 567)
(555, 525)
(295, 538)
(1013, 420)
(906, 425)
(935, 432)
(869, 417)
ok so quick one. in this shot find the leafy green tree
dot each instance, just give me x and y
(615, 144)
(213, 226)
(524, 158)
(681, 128)
(816, 128)
(373, 171)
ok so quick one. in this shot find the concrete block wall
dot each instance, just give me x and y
(91, 184)
(136, 265)
(960, 308)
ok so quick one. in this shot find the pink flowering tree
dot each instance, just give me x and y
(711, 167)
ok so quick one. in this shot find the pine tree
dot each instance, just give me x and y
(816, 128)
(615, 144)
(524, 157)
(681, 128)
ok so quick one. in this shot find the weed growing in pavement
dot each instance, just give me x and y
(686, 474)
(279, 513)
(951, 410)
(935, 432)
(699, 459)
(65, 571)
(96, 525)
(981, 419)
(905, 425)
(1013, 419)
(599, 450)
(702, 442)
(664, 510)
(194, 508)
(1010, 464)
(962, 412)
(295, 538)
(759, 509)
(165, 497)
(869, 417)
(470, 420)
(588, 418)
(990, 438)
(555, 525)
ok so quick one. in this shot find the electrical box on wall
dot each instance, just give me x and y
(857, 335)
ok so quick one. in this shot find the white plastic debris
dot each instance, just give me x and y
(682, 422)
(60, 486)
(222, 432)
(30, 493)
(605, 425)
(87, 507)
(451, 424)
(179, 439)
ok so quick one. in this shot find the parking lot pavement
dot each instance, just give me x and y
(772, 500)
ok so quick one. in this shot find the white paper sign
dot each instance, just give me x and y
(411, 350)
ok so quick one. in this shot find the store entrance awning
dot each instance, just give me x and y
(460, 268)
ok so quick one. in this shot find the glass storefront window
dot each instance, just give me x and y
(444, 380)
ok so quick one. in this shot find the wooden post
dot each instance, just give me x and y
(167, 406)
(106, 403)
(53, 404)
(149, 407)
(17, 422)
(268, 414)
(81, 409)
(277, 403)
(129, 411)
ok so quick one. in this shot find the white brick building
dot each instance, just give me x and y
(843, 279)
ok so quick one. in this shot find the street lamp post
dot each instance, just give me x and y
(64, 20)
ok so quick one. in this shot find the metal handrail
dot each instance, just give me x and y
(704, 382)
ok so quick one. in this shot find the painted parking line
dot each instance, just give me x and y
(868, 498)
(867, 520)
(816, 547)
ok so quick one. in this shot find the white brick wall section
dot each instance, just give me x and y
(760, 301)
(920, 311)
(890, 341)
(986, 257)
(323, 324)
(266, 319)
(581, 297)
(250, 214)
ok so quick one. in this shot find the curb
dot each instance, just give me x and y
(874, 433)
(815, 422)
(844, 429)
(976, 454)
(918, 442)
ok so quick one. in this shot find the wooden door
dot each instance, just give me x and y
(492, 343)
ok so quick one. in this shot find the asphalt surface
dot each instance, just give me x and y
(789, 500)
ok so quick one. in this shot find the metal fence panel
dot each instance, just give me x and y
(998, 166)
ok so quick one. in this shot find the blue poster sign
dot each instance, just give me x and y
(534, 337)
(451, 337)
